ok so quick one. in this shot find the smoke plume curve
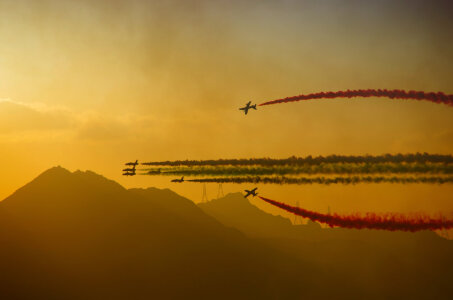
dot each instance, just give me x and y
(389, 221)
(438, 97)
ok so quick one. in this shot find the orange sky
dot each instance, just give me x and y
(93, 84)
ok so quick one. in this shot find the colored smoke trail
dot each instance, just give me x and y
(326, 180)
(438, 97)
(328, 168)
(389, 221)
(309, 160)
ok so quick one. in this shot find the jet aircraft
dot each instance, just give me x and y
(132, 163)
(247, 107)
(252, 192)
(178, 180)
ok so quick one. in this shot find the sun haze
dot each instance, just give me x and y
(93, 84)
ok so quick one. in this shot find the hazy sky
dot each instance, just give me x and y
(93, 84)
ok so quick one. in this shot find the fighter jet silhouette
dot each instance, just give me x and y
(252, 192)
(129, 173)
(129, 170)
(178, 180)
(247, 107)
(132, 163)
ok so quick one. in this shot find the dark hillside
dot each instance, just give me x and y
(79, 235)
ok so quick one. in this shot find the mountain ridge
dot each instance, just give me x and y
(79, 235)
(79, 229)
(402, 256)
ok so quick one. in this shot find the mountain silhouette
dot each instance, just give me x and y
(389, 263)
(81, 236)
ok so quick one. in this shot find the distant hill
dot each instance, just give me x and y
(235, 211)
(390, 263)
(81, 236)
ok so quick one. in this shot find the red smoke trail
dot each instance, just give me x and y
(438, 97)
(390, 221)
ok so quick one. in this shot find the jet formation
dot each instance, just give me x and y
(251, 192)
(132, 168)
(130, 171)
(247, 107)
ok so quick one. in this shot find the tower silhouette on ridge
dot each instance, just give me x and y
(204, 197)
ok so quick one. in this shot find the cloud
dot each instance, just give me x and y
(36, 121)
(18, 118)
(98, 128)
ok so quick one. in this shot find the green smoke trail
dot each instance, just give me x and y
(309, 160)
(324, 168)
(327, 180)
